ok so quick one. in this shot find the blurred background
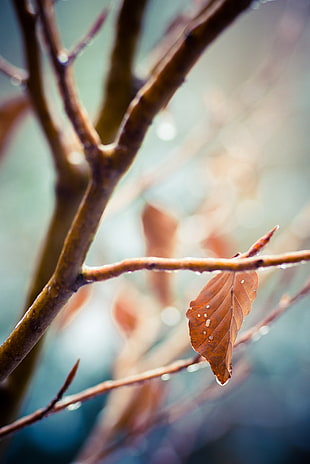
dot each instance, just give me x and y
(221, 165)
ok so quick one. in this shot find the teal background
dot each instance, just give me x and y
(250, 95)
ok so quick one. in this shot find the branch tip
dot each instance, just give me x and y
(17, 75)
(90, 35)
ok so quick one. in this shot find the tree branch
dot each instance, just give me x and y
(161, 87)
(177, 366)
(96, 274)
(95, 28)
(285, 303)
(44, 412)
(71, 182)
(34, 82)
(98, 390)
(18, 75)
(108, 165)
(119, 87)
(59, 58)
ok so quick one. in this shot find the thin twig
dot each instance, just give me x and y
(109, 164)
(161, 87)
(173, 412)
(95, 28)
(95, 391)
(104, 387)
(285, 303)
(59, 58)
(35, 87)
(44, 412)
(18, 75)
(109, 271)
(70, 183)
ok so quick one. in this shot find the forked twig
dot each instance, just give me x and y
(93, 392)
(44, 412)
(106, 386)
(89, 36)
(59, 58)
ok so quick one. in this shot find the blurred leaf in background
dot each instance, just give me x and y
(229, 157)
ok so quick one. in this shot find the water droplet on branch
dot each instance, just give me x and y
(62, 57)
(74, 406)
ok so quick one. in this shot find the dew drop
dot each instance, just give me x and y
(204, 332)
(264, 330)
(205, 315)
(193, 368)
(165, 377)
(74, 406)
(62, 57)
(256, 336)
(208, 306)
(198, 315)
(16, 81)
(260, 333)
(208, 322)
(242, 281)
(210, 337)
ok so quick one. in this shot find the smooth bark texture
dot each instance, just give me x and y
(107, 164)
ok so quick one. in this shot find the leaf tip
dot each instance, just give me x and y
(223, 380)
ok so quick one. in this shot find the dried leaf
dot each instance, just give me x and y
(10, 111)
(125, 314)
(73, 307)
(136, 408)
(138, 322)
(217, 244)
(216, 315)
(160, 236)
(159, 230)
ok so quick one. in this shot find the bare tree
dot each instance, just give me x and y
(89, 161)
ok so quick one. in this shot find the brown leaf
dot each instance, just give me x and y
(218, 245)
(138, 322)
(10, 111)
(159, 230)
(73, 307)
(126, 313)
(216, 315)
(160, 235)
